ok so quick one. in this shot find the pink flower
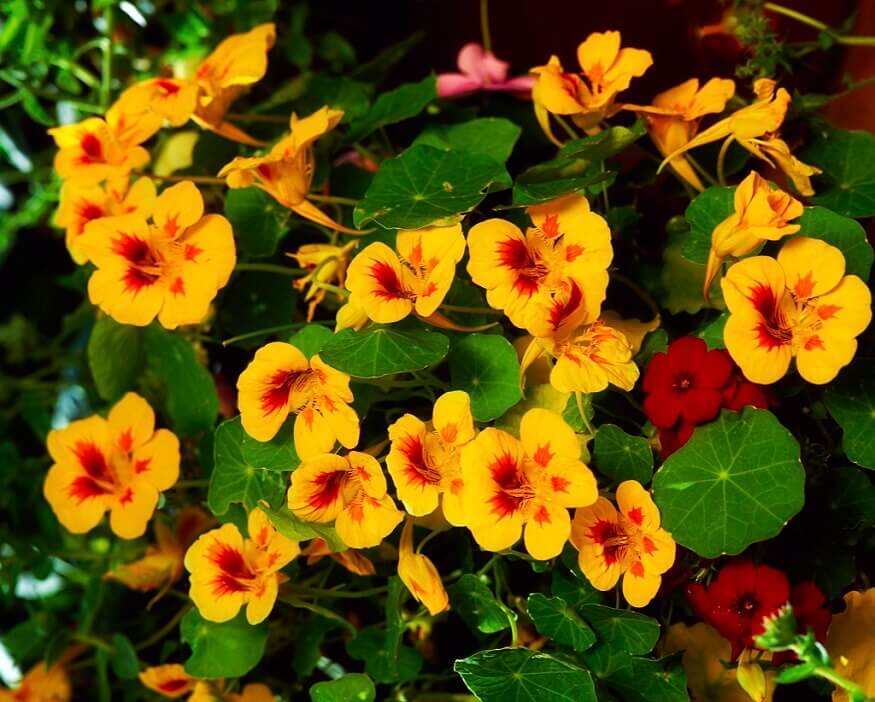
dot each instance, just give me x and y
(481, 70)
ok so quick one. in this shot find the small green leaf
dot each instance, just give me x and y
(563, 176)
(704, 213)
(277, 454)
(352, 687)
(293, 527)
(338, 92)
(847, 159)
(311, 339)
(554, 619)
(489, 136)
(308, 644)
(394, 106)
(609, 142)
(369, 646)
(621, 629)
(487, 368)
(712, 333)
(226, 650)
(844, 233)
(621, 456)
(574, 590)
(648, 680)
(737, 481)
(851, 402)
(257, 221)
(115, 356)
(123, 660)
(380, 350)
(474, 602)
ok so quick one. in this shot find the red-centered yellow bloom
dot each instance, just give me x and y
(286, 173)
(351, 316)
(567, 241)
(424, 458)
(80, 204)
(587, 97)
(40, 685)
(627, 542)
(118, 465)
(419, 575)
(528, 482)
(170, 269)
(762, 213)
(673, 118)
(280, 380)
(776, 152)
(324, 263)
(253, 692)
(851, 642)
(173, 99)
(800, 305)
(348, 490)
(228, 571)
(169, 680)
(414, 278)
(351, 559)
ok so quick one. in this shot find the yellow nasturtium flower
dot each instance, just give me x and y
(351, 316)
(627, 542)
(530, 483)
(349, 490)
(118, 465)
(280, 381)
(170, 269)
(800, 305)
(229, 572)
(419, 574)
(587, 97)
(413, 278)
(851, 642)
(286, 172)
(324, 263)
(762, 213)
(424, 458)
(40, 684)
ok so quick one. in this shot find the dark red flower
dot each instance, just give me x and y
(738, 599)
(741, 393)
(670, 440)
(812, 613)
(686, 383)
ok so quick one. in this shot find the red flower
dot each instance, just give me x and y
(812, 612)
(742, 393)
(670, 440)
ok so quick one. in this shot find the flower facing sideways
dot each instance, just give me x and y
(40, 684)
(424, 458)
(170, 269)
(171, 681)
(324, 263)
(348, 490)
(624, 542)
(280, 381)
(800, 305)
(419, 575)
(118, 465)
(481, 70)
(527, 483)
(229, 572)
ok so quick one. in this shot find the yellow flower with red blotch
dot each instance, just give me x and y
(80, 204)
(567, 241)
(324, 263)
(280, 381)
(351, 559)
(527, 484)
(762, 213)
(587, 97)
(851, 642)
(118, 465)
(626, 542)
(424, 458)
(349, 490)
(414, 278)
(229, 572)
(171, 269)
(40, 685)
(172, 681)
(286, 172)
(800, 306)
(419, 574)
(351, 316)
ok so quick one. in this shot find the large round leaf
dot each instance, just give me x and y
(705, 212)
(226, 650)
(847, 159)
(486, 367)
(851, 402)
(844, 233)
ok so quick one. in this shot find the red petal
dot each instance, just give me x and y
(686, 353)
(658, 374)
(701, 405)
(715, 370)
(663, 409)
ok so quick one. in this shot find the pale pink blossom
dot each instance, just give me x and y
(481, 70)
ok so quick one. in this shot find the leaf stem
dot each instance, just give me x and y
(638, 290)
(484, 26)
(203, 180)
(471, 310)
(270, 330)
(336, 594)
(164, 630)
(846, 39)
(269, 268)
(332, 199)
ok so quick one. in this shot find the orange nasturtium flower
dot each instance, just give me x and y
(801, 305)
(280, 380)
(419, 574)
(170, 269)
(79, 204)
(588, 97)
(413, 278)
(324, 263)
(40, 685)
(349, 490)
(118, 465)
(424, 458)
(762, 213)
(528, 482)
(567, 241)
(351, 559)
(286, 172)
(228, 571)
(627, 542)
(172, 681)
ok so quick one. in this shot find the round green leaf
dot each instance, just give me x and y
(703, 214)
(115, 357)
(621, 456)
(393, 106)
(737, 481)
(847, 159)
(557, 621)
(486, 367)
(622, 630)
(123, 659)
(851, 402)
(490, 136)
(311, 339)
(226, 650)
(352, 687)
(844, 233)
(474, 602)
(257, 221)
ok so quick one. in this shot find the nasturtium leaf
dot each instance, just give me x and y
(602, 661)
(253, 302)
(311, 339)
(608, 142)
(308, 644)
(521, 675)
(394, 106)
(369, 646)
(556, 620)
(487, 368)
(234, 479)
(704, 213)
(474, 602)
(123, 659)
(226, 650)
(189, 396)
(293, 527)
(847, 159)
(489, 136)
(682, 280)
(574, 590)
(621, 456)
(624, 630)
(655, 342)
(338, 92)
(352, 687)
(277, 454)
(712, 333)
(563, 176)
(115, 357)
(425, 184)
(851, 401)
(380, 350)
(737, 481)
(844, 233)
(257, 221)
(582, 424)
(852, 498)
(649, 680)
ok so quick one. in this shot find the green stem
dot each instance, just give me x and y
(854, 690)
(721, 160)
(270, 330)
(638, 290)
(484, 25)
(335, 594)
(340, 292)
(106, 66)
(846, 39)
(82, 74)
(332, 199)
(159, 635)
(700, 170)
(578, 396)
(203, 180)
(269, 268)
(93, 641)
(470, 310)
(566, 127)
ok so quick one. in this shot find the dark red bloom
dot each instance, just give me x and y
(812, 613)
(670, 440)
(741, 393)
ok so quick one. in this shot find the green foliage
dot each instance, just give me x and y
(257, 222)
(844, 233)
(704, 213)
(471, 597)
(621, 456)
(486, 367)
(394, 106)
(622, 630)
(851, 402)
(115, 357)
(556, 620)
(353, 687)
(226, 650)
(847, 159)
